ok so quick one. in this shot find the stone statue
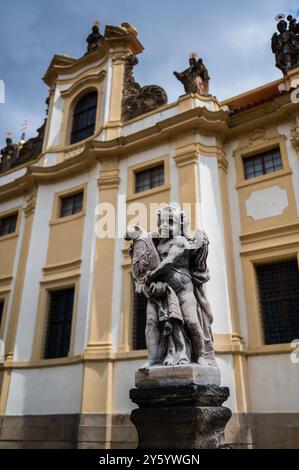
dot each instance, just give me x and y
(196, 78)
(95, 38)
(9, 155)
(285, 44)
(170, 269)
(136, 99)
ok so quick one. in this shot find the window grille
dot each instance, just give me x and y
(84, 117)
(150, 178)
(262, 164)
(278, 285)
(59, 323)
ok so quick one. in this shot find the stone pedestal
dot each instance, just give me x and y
(179, 415)
(155, 376)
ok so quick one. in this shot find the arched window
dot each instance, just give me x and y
(84, 117)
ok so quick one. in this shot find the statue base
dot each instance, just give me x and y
(156, 376)
(180, 416)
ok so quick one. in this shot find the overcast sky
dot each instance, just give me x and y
(232, 37)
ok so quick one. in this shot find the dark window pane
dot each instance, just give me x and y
(139, 321)
(148, 179)
(59, 325)
(1, 310)
(71, 205)
(278, 285)
(262, 164)
(84, 117)
(8, 224)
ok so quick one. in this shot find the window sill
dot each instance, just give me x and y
(68, 218)
(9, 236)
(263, 178)
(267, 349)
(148, 192)
(36, 363)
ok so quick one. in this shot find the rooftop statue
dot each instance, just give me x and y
(9, 155)
(170, 269)
(285, 43)
(195, 78)
(95, 38)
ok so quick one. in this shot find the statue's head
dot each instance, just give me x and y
(193, 59)
(282, 26)
(133, 232)
(95, 27)
(8, 140)
(172, 221)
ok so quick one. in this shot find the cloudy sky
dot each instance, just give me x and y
(232, 37)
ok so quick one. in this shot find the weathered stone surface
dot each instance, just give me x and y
(138, 100)
(147, 377)
(181, 416)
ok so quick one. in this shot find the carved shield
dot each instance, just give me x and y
(144, 258)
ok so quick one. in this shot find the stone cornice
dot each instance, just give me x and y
(84, 81)
(199, 119)
(62, 65)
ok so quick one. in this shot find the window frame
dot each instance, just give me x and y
(149, 170)
(42, 312)
(262, 156)
(47, 320)
(56, 208)
(16, 211)
(262, 311)
(145, 165)
(76, 102)
(66, 196)
(249, 260)
(253, 148)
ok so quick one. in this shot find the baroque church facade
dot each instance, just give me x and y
(71, 326)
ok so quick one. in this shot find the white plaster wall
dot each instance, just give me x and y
(87, 265)
(11, 204)
(35, 262)
(118, 256)
(236, 231)
(274, 384)
(49, 390)
(173, 175)
(124, 380)
(149, 121)
(56, 119)
(212, 223)
(140, 157)
(105, 106)
(5, 179)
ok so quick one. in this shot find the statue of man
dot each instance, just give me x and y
(178, 326)
(9, 154)
(95, 38)
(196, 78)
(285, 46)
